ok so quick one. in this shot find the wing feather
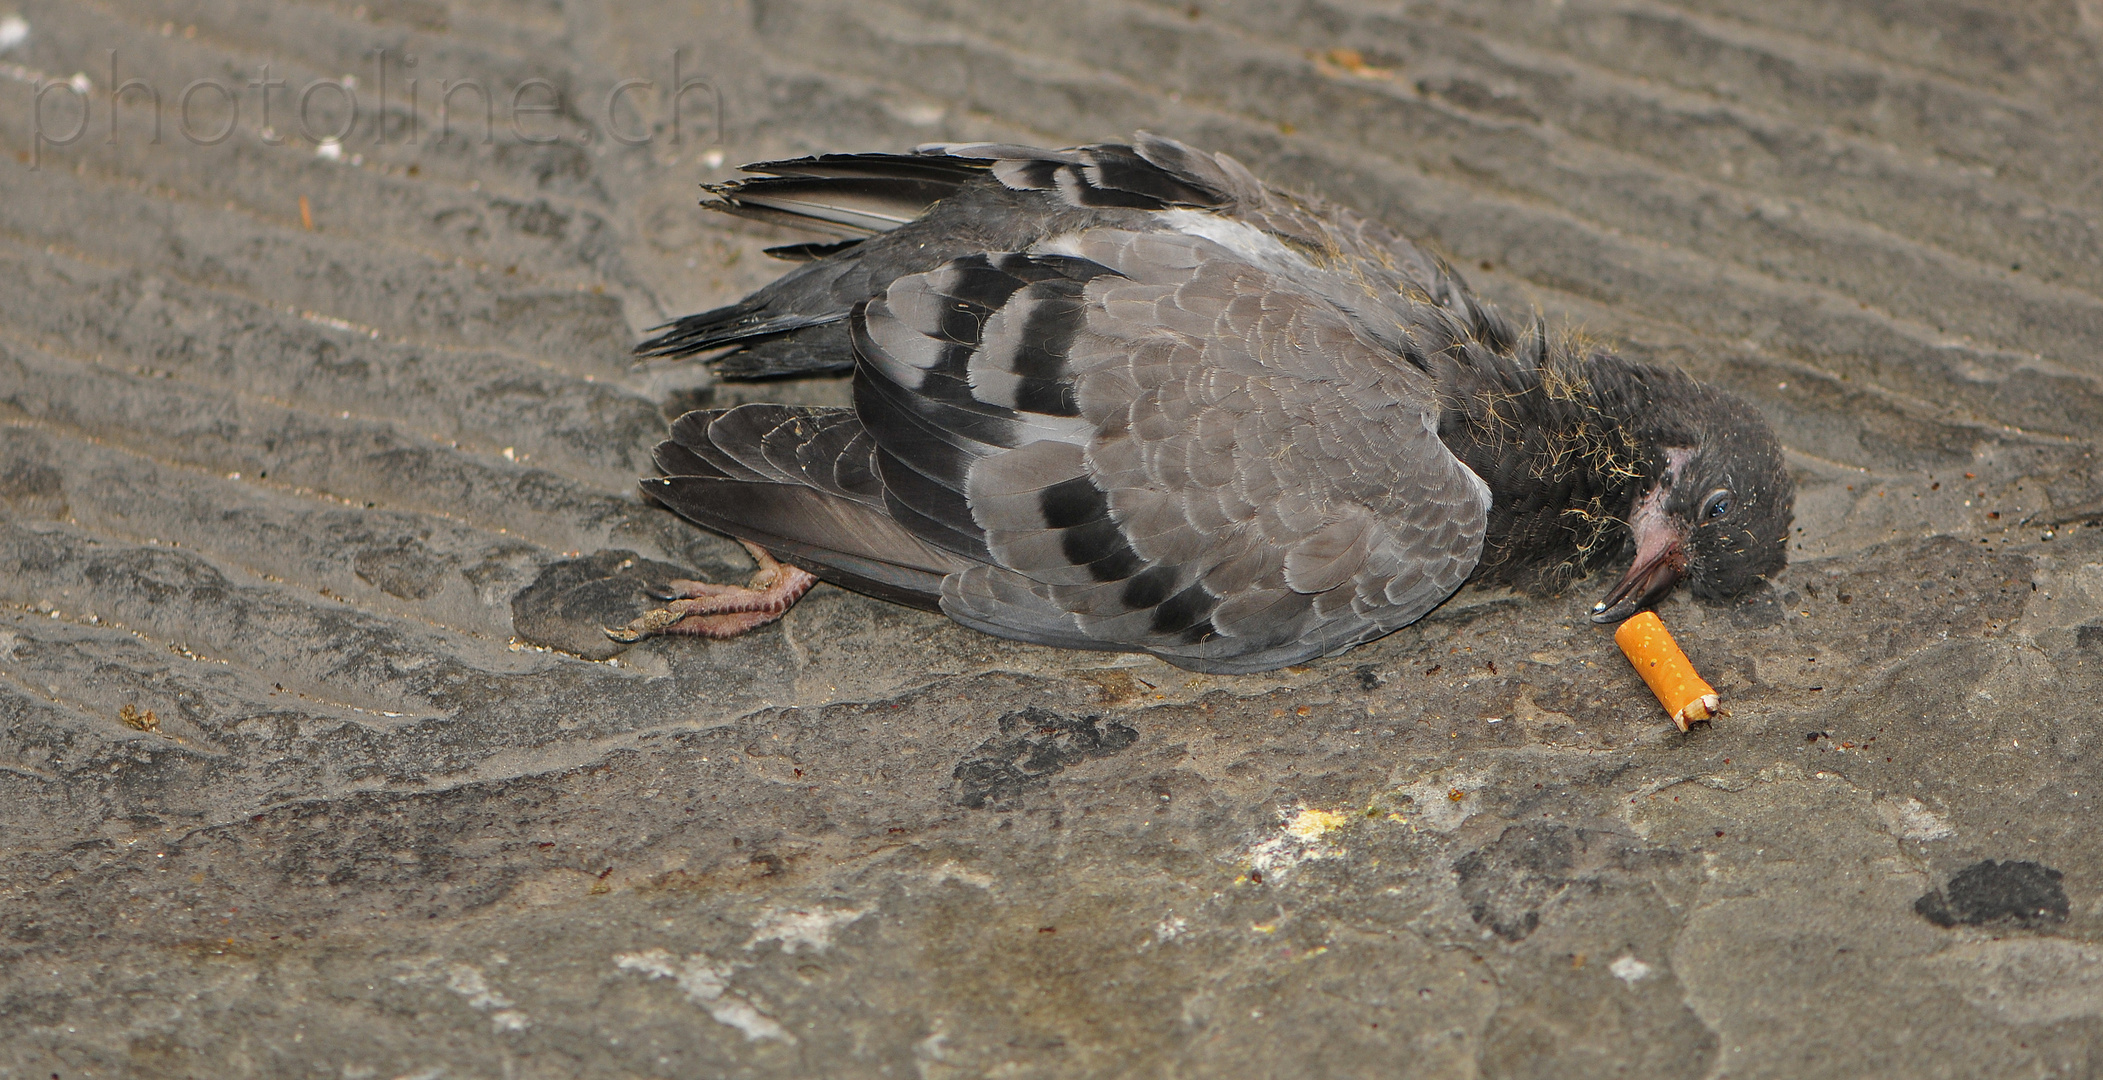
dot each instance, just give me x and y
(1249, 474)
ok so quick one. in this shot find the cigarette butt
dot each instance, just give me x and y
(1649, 646)
(306, 214)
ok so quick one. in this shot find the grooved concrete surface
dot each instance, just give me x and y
(308, 455)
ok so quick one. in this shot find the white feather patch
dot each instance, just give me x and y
(1239, 237)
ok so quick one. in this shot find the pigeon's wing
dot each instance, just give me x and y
(1347, 259)
(898, 214)
(901, 214)
(799, 482)
(1159, 441)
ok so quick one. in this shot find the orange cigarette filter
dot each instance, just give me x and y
(1649, 646)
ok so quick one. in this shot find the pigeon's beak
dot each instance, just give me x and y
(1661, 560)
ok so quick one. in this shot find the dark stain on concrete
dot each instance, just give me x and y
(1529, 866)
(2016, 893)
(1034, 745)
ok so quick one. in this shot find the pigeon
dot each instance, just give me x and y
(1129, 397)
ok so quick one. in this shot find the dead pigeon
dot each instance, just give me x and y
(1129, 397)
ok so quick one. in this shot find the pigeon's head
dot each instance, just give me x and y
(1715, 505)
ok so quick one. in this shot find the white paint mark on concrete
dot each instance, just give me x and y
(1630, 970)
(656, 963)
(469, 982)
(950, 871)
(706, 984)
(800, 930)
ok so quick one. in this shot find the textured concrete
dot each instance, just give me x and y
(316, 482)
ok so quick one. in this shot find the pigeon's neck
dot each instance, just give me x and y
(1557, 440)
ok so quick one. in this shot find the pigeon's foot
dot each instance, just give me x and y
(722, 611)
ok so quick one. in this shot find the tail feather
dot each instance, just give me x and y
(793, 326)
(771, 475)
(849, 206)
(845, 543)
(820, 350)
(810, 252)
(850, 195)
(728, 325)
(955, 170)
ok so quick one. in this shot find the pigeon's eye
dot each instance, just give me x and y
(1718, 504)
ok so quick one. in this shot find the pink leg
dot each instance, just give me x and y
(723, 611)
